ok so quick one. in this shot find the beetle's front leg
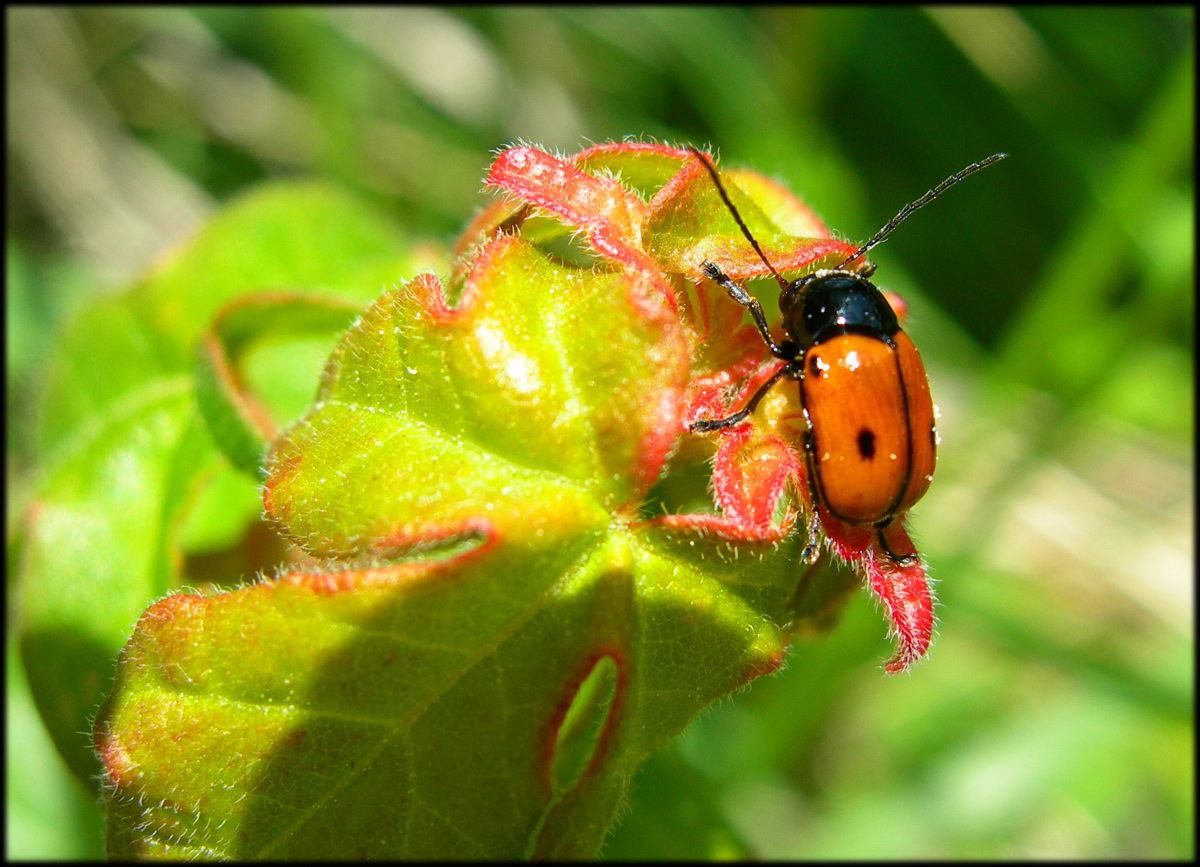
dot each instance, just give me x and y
(785, 350)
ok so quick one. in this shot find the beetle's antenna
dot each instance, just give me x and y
(907, 210)
(700, 155)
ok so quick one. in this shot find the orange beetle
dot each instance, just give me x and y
(870, 444)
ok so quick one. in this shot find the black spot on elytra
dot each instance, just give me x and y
(814, 366)
(866, 444)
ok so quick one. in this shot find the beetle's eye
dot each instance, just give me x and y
(797, 327)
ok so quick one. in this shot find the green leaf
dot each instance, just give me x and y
(124, 451)
(409, 711)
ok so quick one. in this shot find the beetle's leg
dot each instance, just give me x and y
(785, 350)
(712, 424)
(810, 467)
(812, 549)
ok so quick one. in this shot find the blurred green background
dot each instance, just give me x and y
(1051, 296)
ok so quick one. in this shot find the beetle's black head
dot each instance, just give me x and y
(829, 303)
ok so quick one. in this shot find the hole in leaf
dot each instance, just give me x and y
(583, 725)
(448, 546)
